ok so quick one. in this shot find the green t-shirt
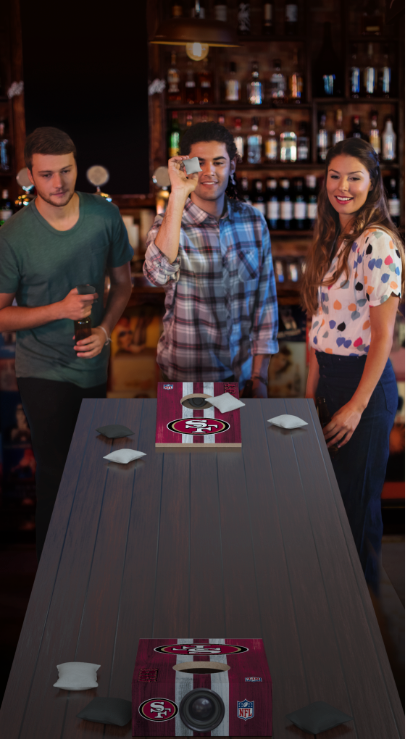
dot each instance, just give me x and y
(41, 265)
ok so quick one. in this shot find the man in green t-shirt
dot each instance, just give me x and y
(62, 239)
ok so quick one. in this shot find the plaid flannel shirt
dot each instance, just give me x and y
(221, 304)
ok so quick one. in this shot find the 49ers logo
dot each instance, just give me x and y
(198, 426)
(201, 649)
(158, 709)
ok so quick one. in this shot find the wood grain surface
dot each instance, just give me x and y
(252, 543)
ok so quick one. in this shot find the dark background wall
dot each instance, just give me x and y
(86, 72)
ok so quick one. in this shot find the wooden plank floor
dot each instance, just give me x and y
(251, 543)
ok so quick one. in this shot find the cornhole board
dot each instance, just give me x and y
(178, 426)
(158, 688)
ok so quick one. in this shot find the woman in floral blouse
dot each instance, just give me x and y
(352, 285)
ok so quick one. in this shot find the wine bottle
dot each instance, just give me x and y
(220, 11)
(299, 205)
(174, 136)
(232, 85)
(271, 143)
(258, 198)
(272, 203)
(296, 81)
(254, 144)
(303, 143)
(277, 84)
(338, 134)
(244, 18)
(355, 75)
(374, 135)
(311, 193)
(370, 79)
(288, 143)
(254, 87)
(327, 67)
(385, 75)
(286, 205)
(393, 202)
(388, 142)
(322, 139)
(356, 129)
(239, 139)
(174, 91)
(291, 17)
(267, 17)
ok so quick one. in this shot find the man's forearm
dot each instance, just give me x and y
(18, 318)
(119, 296)
(168, 236)
(260, 365)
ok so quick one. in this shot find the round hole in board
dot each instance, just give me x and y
(201, 668)
(196, 401)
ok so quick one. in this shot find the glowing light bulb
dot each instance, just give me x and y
(197, 51)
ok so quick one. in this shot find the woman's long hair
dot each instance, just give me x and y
(373, 214)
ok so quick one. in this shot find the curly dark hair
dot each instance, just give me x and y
(211, 131)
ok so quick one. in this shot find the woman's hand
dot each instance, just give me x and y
(342, 425)
(92, 346)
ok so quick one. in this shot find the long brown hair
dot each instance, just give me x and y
(373, 214)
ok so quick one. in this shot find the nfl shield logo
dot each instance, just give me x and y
(245, 709)
(168, 387)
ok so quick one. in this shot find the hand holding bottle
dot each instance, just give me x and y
(76, 306)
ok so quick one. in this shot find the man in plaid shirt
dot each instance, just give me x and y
(213, 254)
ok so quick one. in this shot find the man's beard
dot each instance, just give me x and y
(56, 205)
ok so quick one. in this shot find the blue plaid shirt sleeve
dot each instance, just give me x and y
(157, 267)
(265, 323)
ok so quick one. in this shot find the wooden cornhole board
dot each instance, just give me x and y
(179, 426)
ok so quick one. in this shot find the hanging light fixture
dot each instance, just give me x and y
(197, 34)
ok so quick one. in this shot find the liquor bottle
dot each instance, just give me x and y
(338, 134)
(202, 9)
(6, 209)
(4, 150)
(174, 136)
(372, 21)
(325, 418)
(205, 84)
(258, 197)
(220, 11)
(393, 202)
(327, 68)
(244, 18)
(374, 135)
(279, 272)
(239, 138)
(189, 120)
(370, 77)
(232, 85)
(177, 9)
(322, 139)
(271, 143)
(355, 75)
(245, 195)
(272, 204)
(190, 87)
(174, 92)
(254, 144)
(303, 143)
(356, 129)
(385, 75)
(299, 205)
(288, 143)
(267, 18)
(296, 81)
(286, 205)
(388, 142)
(254, 86)
(311, 191)
(277, 84)
(221, 119)
(291, 17)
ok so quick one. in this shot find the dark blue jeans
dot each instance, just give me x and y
(360, 465)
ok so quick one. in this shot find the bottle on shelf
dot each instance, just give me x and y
(254, 144)
(355, 74)
(239, 138)
(244, 188)
(271, 143)
(356, 129)
(372, 21)
(258, 197)
(322, 139)
(267, 17)
(254, 86)
(232, 85)
(291, 17)
(277, 84)
(296, 81)
(202, 9)
(286, 205)
(4, 149)
(374, 135)
(244, 18)
(311, 193)
(272, 203)
(338, 134)
(370, 77)
(303, 143)
(288, 143)
(190, 86)
(189, 120)
(173, 77)
(279, 271)
(221, 119)
(327, 67)
(385, 75)
(176, 9)
(174, 136)
(393, 202)
(299, 205)
(220, 10)
(6, 209)
(205, 84)
(388, 142)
